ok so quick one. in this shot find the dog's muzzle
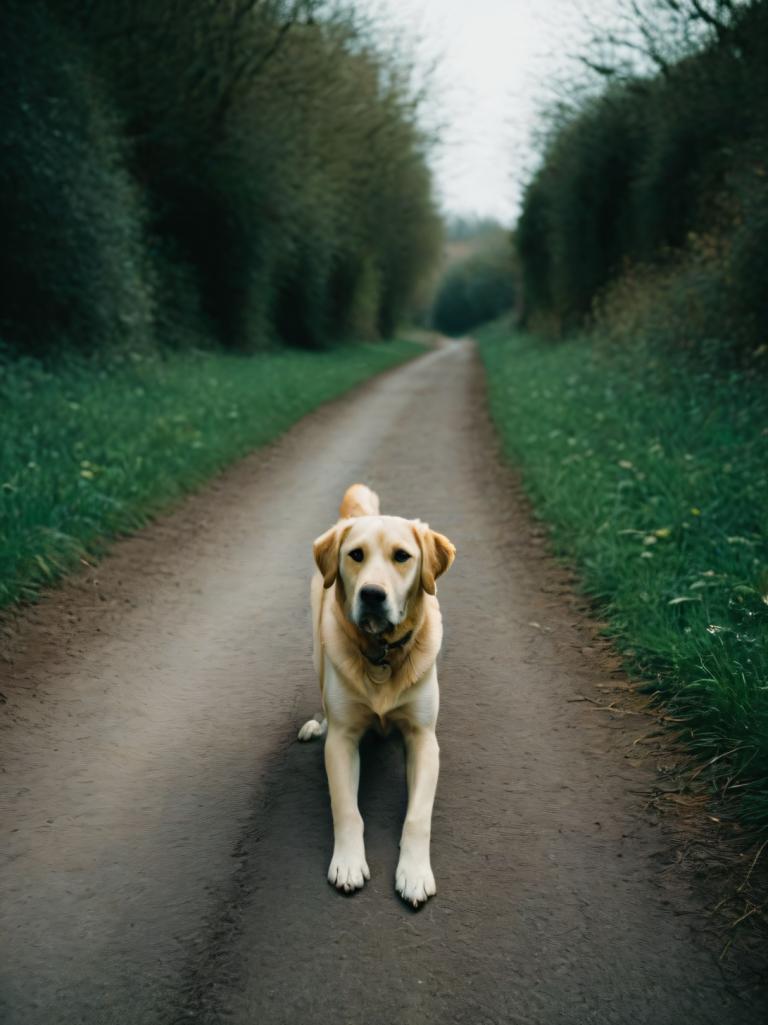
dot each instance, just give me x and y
(372, 612)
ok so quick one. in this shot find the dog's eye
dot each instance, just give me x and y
(357, 554)
(401, 555)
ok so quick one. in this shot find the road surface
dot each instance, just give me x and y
(165, 838)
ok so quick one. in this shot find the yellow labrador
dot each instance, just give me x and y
(376, 637)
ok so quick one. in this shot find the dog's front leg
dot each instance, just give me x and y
(348, 870)
(413, 879)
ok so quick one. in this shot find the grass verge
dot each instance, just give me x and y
(92, 450)
(652, 473)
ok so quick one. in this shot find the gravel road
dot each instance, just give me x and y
(165, 839)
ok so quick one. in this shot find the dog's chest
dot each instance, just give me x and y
(381, 693)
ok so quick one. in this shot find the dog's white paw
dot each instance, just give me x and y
(348, 871)
(312, 728)
(414, 880)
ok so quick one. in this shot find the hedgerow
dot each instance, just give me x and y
(244, 173)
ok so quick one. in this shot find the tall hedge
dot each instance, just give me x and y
(245, 172)
(476, 288)
(647, 165)
(74, 265)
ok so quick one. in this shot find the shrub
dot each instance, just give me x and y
(190, 171)
(651, 161)
(279, 148)
(477, 289)
(74, 270)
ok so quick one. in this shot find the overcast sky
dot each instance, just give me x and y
(497, 57)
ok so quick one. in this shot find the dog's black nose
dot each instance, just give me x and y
(373, 595)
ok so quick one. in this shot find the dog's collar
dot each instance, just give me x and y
(379, 658)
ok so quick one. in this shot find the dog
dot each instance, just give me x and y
(377, 633)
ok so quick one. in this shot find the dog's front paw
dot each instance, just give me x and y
(348, 870)
(312, 728)
(414, 880)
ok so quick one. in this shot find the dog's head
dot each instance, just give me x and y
(381, 565)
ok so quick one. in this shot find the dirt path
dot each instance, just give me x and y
(165, 839)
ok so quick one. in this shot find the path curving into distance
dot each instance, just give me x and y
(165, 838)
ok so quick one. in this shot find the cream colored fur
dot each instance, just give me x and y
(401, 560)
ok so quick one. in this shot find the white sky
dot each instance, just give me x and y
(496, 59)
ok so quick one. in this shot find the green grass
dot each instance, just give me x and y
(91, 451)
(653, 475)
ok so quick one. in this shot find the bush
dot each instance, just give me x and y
(477, 289)
(280, 152)
(74, 270)
(650, 164)
(196, 171)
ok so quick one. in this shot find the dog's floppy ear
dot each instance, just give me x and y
(326, 552)
(437, 554)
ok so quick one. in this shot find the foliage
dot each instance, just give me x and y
(250, 170)
(477, 287)
(93, 450)
(652, 473)
(73, 263)
(471, 229)
(635, 170)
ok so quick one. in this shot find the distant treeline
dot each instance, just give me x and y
(477, 284)
(660, 184)
(180, 172)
